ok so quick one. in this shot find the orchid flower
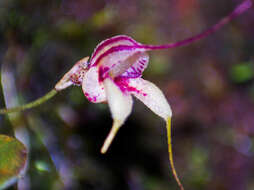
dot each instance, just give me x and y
(114, 75)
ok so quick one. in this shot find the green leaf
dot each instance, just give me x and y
(13, 157)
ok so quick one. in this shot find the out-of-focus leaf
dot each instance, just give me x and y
(242, 72)
(104, 17)
(71, 29)
(13, 157)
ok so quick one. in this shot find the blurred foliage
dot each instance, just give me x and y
(242, 72)
(13, 158)
(209, 85)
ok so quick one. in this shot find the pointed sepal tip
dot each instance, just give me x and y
(171, 154)
(116, 126)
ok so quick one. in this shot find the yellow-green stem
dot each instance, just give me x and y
(32, 104)
(171, 154)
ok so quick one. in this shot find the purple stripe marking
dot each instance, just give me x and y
(134, 69)
(132, 75)
(112, 40)
(117, 49)
(141, 62)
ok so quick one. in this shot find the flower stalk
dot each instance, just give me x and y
(30, 105)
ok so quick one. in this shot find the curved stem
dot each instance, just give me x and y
(245, 5)
(32, 104)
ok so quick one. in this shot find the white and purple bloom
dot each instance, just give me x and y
(114, 75)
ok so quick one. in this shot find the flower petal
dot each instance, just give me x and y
(132, 67)
(120, 105)
(117, 58)
(92, 88)
(154, 99)
(109, 43)
(74, 76)
(151, 96)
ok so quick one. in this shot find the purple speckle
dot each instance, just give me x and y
(103, 73)
(123, 84)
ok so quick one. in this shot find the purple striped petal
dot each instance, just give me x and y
(138, 65)
(118, 60)
(109, 43)
(113, 53)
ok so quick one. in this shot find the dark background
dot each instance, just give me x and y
(209, 85)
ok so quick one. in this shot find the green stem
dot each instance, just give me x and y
(32, 104)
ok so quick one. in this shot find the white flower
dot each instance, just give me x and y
(114, 75)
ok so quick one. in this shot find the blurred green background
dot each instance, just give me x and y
(209, 84)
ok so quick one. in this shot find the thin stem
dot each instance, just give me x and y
(32, 104)
(245, 5)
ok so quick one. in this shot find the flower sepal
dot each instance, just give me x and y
(74, 76)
